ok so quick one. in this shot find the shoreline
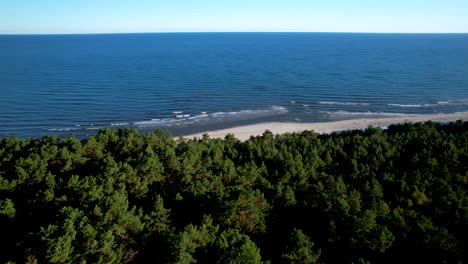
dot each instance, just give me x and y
(243, 133)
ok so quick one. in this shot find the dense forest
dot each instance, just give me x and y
(398, 195)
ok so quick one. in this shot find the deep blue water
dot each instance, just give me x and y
(191, 82)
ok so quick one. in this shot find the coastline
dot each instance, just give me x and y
(245, 132)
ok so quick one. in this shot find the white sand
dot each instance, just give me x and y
(244, 132)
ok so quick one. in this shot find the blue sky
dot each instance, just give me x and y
(109, 16)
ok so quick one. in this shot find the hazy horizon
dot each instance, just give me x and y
(214, 32)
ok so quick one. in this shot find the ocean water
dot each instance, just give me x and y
(74, 85)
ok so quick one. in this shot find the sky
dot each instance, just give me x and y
(128, 16)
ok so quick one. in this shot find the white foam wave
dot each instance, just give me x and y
(440, 103)
(463, 101)
(205, 116)
(62, 129)
(368, 113)
(199, 116)
(279, 108)
(120, 124)
(341, 103)
(273, 110)
(154, 122)
(407, 105)
(177, 112)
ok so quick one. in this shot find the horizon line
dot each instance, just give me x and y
(195, 32)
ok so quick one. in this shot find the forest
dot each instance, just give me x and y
(398, 195)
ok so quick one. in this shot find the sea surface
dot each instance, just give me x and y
(74, 85)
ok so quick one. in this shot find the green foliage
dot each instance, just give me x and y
(245, 210)
(234, 247)
(300, 249)
(193, 239)
(373, 196)
(7, 208)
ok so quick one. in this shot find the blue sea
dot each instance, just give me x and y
(74, 85)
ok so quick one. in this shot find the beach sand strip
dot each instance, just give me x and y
(245, 132)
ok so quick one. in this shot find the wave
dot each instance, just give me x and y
(439, 103)
(213, 117)
(102, 125)
(62, 129)
(120, 124)
(261, 112)
(156, 122)
(199, 116)
(368, 113)
(341, 103)
(463, 101)
(410, 105)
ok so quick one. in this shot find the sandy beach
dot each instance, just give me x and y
(244, 132)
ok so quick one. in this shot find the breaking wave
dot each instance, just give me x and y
(184, 119)
(367, 114)
(452, 102)
(342, 103)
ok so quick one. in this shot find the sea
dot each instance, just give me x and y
(75, 85)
